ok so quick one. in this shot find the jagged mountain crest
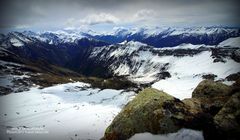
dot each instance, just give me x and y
(155, 36)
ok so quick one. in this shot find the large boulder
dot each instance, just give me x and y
(218, 108)
(214, 109)
(211, 95)
(150, 111)
(227, 120)
(211, 89)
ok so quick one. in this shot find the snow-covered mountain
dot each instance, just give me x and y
(137, 61)
(30, 60)
(182, 66)
(55, 48)
(170, 36)
(153, 31)
(136, 56)
(155, 36)
(57, 38)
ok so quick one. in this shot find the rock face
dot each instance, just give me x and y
(211, 95)
(227, 119)
(208, 98)
(214, 109)
(151, 111)
(209, 89)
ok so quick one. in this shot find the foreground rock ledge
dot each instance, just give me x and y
(159, 113)
(151, 111)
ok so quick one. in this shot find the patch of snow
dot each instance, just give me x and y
(185, 46)
(22, 37)
(126, 49)
(15, 42)
(182, 134)
(228, 82)
(186, 72)
(122, 69)
(123, 43)
(119, 31)
(135, 44)
(51, 42)
(65, 111)
(10, 63)
(200, 31)
(231, 42)
(144, 68)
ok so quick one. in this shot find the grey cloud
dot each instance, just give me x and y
(99, 18)
(93, 19)
(144, 14)
(55, 13)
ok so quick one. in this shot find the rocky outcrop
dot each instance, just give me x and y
(210, 89)
(214, 109)
(208, 98)
(227, 120)
(211, 95)
(151, 111)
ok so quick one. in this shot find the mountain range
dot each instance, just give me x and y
(158, 36)
(92, 76)
(143, 55)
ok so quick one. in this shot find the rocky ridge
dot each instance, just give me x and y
(213, 109)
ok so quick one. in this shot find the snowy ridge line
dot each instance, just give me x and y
(154, 36)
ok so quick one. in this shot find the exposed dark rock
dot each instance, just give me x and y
(5, 90)
(227, 120)
(209, 76)
(236, 55)
(233, 77)
(219, 59)
(164, 75)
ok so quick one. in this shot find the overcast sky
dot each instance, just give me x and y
(106, 14)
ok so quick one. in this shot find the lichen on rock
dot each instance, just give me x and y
(227, 119)
(211, 95)
(151, 111)
(214, 108)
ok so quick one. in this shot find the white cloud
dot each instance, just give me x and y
(22, 26)
(71, 22)
(99, 19)
(144, 14)
(93, 19)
